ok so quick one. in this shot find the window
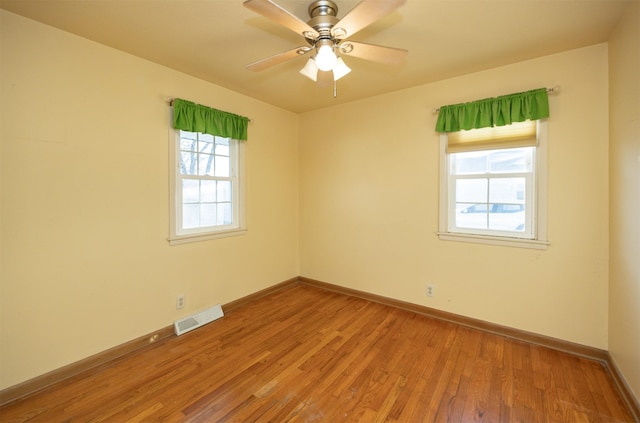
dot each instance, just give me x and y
(206, 188)
(493, 185)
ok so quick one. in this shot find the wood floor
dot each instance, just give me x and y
(308, 355)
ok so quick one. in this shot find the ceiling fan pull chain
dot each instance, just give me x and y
(335, 88)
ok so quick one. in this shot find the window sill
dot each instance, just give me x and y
(185, 239)
(494, 240)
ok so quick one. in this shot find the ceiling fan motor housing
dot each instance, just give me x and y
(323, 17)
(323, 7)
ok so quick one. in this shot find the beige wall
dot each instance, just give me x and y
(85, 204)
(369, 208)
(624, 276)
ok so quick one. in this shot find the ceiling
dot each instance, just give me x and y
(215, 39)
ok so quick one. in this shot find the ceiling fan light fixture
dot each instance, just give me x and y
(310, 70)
(341, 69)
(326, 59)
(326, 34)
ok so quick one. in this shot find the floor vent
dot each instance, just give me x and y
(199, 319)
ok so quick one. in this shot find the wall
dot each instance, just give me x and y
(85, 206)
(624, 276)
(369, 203)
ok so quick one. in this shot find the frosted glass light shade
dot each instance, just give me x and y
(340, 69)
(310, 70)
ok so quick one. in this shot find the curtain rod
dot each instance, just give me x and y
(555, 89)
(170, 102)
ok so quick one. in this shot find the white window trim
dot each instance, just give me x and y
(175, 201)
(540, 241)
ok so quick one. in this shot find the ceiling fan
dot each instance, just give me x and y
(326, 35)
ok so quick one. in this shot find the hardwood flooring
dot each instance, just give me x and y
(308, 355)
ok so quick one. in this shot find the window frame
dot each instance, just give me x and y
(538, 204)
(179, 235)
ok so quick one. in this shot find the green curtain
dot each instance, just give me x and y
(498, 111)
(193, 117)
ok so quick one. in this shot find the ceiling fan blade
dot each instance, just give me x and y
(376, 53)
(272, 11)
(363, 14)
(276, 59)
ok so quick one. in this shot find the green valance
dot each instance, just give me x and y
(193, 117)
(498, 111)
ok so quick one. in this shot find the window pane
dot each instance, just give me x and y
(224, 214)
(205, 162)
(222, 146)
(507, 217)
(206, 143)
(472, 162)
(205, 147)
(208, 191)
(507, 190)
(188, 163)
(208, 214)
(190, 191)
(471, 215)
(190, 216)
(188, 142)
(471, 190)
(510, 160)
(222, 166)
(224, 191)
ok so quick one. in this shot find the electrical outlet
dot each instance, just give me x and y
(430, 291)
(180, 301)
